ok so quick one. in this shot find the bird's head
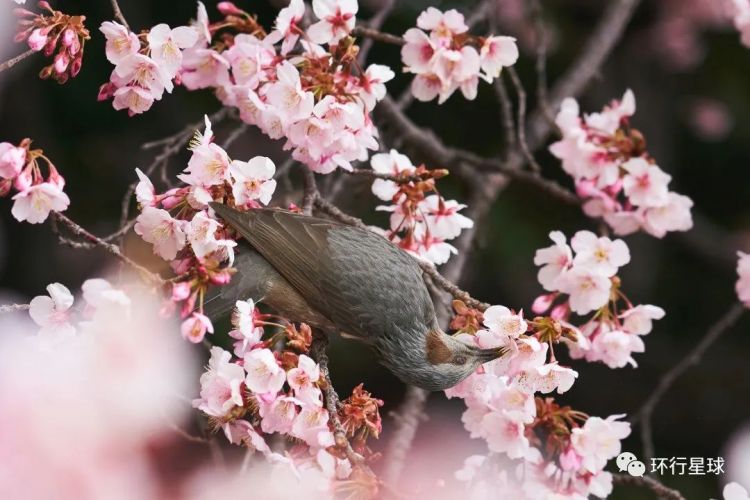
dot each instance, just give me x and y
(434, 361)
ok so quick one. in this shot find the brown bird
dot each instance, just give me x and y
(348, 280)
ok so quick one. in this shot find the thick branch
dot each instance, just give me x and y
(9, 308)
(12, 62)
(668, 379)
(661, 491)
(311, 191)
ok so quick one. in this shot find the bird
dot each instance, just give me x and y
(347, 280)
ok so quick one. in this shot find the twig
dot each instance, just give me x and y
(400, 179)
(375, 22)
(118, 14)
(644, 414)
(318, 353)
(9, 308)
(451, 288)
(521, 120)
(660, 490)
(234, 135)
(12, 62)
(506, 115)
(112, 249)
(377, 35)
(541, 36)
(600, 43)
(310, 191)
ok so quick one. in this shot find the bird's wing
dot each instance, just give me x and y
(297, 246)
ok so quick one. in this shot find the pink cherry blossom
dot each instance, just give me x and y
(598, 440)
(554, 260)
(195, 328)
(673, 216)
(220, 385)
(201, 234)
(302, 380)
(100, 295)
(547, 378)
(121, 43)
(279, 414)
(12, 160)
(203, 68)
(287, 22)
(242, 432)
(37, 39)
(600, 255)
(417, 52)
(311, 426)
(615, 348)
(496, 53)
(166, 45)
(253, 180)
(144, 72)
(144, 190)
(332, 466)
(504, 432)
(391, 163)
(337, 18)
(588, 291)
(287, 97)
(500, 320)
(264, 375)
(157, 227)
(609, 120)
(246, 331)
(638, 319)
(442, 218)
(135, 99)
(372, 84)
(35, 203)
(645, 184)
(443, 24)
(743, 282)
(52, 313)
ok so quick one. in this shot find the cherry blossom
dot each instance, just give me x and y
(614, 174)
(448, 59)
(220, 385)
(121, 43)
(195, 327)
(253, 180)
(311, 426)
(35, 203)
(554, 260)
(598, 440)
(166, 234)
(743, 283)
(287, 25)
(247, 331)
(52, 312)
(639, 319)
(166, 45)
(614, 348)
(547, 378)
(391, 163)
(12, 160)
(587, 289)
(600, 255)
(264, 375)
(302, 380)
(145, 193)
(278, 415)
(337, 18)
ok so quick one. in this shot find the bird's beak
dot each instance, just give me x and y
(486, 355)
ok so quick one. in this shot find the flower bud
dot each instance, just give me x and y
(68, 36)
(75, 66)
(23, 180)
(61, 62)
(543, 303)
(180, 291)
(221, 278)
(106, 91)
(37, 40)
(560, 311)
(229, 8)
(44, 5)
(55, 177)
(5, 186)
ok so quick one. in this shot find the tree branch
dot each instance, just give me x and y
(9, 308)
(644, 414)
(311, 191)
(377, 35)
(118, 14)
(375, 22)
(112, 249)
(660, 490)
(15, 60)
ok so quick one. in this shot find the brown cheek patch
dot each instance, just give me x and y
(437, 351)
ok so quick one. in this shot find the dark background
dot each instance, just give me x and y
(675, 57)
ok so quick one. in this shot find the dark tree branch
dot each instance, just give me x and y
(660, 490)
(15, 60)
(667, 380)
(118, 14)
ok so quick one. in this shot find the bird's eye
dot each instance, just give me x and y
(459, 360)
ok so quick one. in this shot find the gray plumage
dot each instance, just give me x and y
(348, 280)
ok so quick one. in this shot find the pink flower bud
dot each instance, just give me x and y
(21, 36)
(23, 180)
(75, 66)
(228, 8)
(55, 177)
(181, 266)
(106, 91)
(68, 37)
(171, 201)
(560, 312)
(37, 40)
(44, 5)
(5, 186)
(61, 62)
(221, 278)
(21, 12)
(586, 188)
(180, 291)
(46, 72)
(543, 303)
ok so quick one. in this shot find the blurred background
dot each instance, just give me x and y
(689, 72)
